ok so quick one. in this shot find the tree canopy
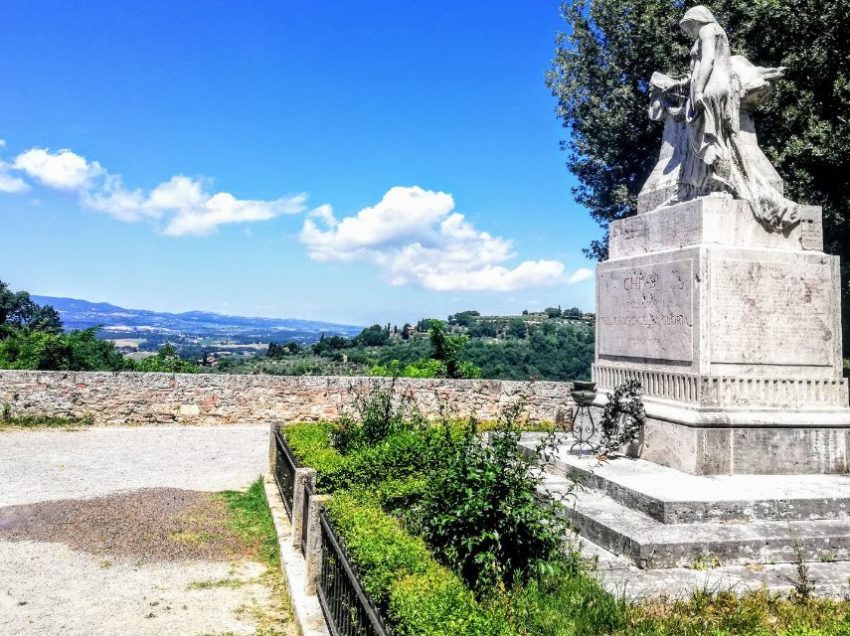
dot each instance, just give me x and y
(600, 74)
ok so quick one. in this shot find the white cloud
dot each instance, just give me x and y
(8, 182)
(581, 274)
(223, 208)
(181, 206)
(63, 170)
(416, 238)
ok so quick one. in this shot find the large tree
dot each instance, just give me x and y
(599, 77)
(18, 311)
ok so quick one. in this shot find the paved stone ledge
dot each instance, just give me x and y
(166, 398)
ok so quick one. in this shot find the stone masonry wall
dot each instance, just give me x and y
(163, 398)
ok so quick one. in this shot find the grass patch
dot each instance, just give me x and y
(38, 421)
(212, 584)
(759, 613)
(249, 516)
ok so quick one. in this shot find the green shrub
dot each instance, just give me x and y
(422, 368)
(400, 494)
(379, 545)
(166, 361)
(402, 455)
(379, 414)
(480, 511)
(437, 603)
(397, 570)
(42, 350)
(571, 603)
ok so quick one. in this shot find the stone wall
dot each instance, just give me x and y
(163, 398)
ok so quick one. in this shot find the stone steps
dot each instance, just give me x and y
(671, 496)
(658, 517)
(652, 544)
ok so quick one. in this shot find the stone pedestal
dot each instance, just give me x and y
(734, 333)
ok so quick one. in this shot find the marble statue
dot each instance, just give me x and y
(710, 146)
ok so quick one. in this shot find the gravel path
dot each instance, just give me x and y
(54, 464)
(88, 521)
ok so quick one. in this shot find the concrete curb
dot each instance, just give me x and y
(308, 614)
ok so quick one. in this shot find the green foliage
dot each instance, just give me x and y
(573, 603)
(373, 336)
(437, 603)
(377, 416)
(382, 549)
(7, 419)
(759, 613)
(277, 350)
(74, 351)
(422, 368)
(448, 348)
(400, 575)
(480, 512)
(600, 73)
(166, 361)
(499, 347)
(376, 518)
(464, 318)
(250, 516)
(552, 351)
(31, 338)
(18, 311)
(400, 456)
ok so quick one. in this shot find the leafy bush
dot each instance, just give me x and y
(376, 541)
(573, 604)
(402, 455)
(44, 350)
(448, 349)
(422, 368)
(166, 361)
(437, 603)
(480, 511)
(399, 573)
(378, 415)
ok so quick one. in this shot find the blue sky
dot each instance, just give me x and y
(349, 161)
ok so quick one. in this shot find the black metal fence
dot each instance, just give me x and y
(347, 608)
(284, 472)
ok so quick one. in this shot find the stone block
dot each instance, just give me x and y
(313, 554)
(305, 478)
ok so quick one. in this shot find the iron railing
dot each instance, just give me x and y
(284, 472)
(347, 607)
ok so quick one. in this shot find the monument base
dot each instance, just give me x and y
(737, 450)
(734, 334)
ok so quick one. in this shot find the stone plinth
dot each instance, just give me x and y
(735, 335)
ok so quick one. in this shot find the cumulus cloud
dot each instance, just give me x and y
(63, 170)
(581, 274)
(416, 237)
(9, 182)
(181, 206)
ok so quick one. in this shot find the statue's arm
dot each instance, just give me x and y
(706, 62)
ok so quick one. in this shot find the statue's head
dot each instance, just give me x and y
(695, 18)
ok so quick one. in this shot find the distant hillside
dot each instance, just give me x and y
(119, 322)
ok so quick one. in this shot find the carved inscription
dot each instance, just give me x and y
(771, 313)
(647, 312)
